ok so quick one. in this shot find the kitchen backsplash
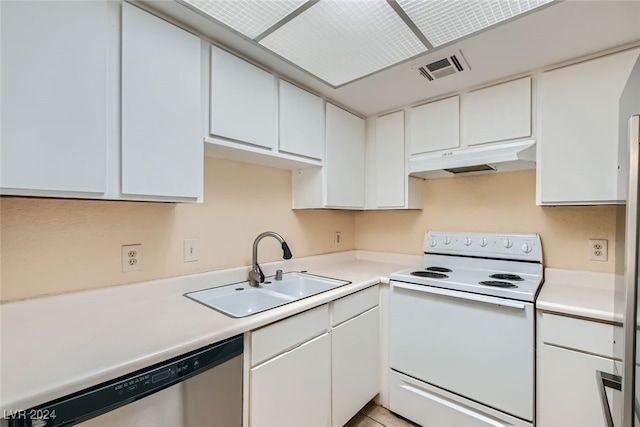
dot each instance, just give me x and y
(51, 246)
(502, 202)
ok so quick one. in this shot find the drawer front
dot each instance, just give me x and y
(354, 304)
(283, 335)
(431, 406)
(583, 335)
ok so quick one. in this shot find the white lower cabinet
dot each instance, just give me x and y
(570, 352)
(294, 388)
(317, 368)
(355, 366)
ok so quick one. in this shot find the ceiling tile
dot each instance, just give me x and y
(444, 21)
(248, 17)
(340, 41)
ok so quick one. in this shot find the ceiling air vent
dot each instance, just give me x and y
(443, 67)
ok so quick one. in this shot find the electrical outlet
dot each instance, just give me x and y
(337, 238)
(598, 249)
(131, 258)
(191, 250)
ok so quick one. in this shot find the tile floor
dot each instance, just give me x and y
(373, 415)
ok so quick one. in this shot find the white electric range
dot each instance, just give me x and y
(462, 330)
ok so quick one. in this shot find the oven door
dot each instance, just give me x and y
(476, 346)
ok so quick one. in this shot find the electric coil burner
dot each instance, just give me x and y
(461, 331)
(498, 284)
(429, 274)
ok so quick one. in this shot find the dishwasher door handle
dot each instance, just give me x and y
(605, 380)
(460, 295)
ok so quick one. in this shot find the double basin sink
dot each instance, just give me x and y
(242, 299)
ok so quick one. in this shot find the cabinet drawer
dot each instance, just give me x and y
(354, 304)
(285, 334)
(578, 334)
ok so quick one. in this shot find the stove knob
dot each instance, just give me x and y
(467, 241)
(433, 243)
(482, 242)
(446, 240)
(526, 248)
(507, 243)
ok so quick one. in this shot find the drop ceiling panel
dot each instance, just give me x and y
(248, 17)
(341, 41)
(444, 21)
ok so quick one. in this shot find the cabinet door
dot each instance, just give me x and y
(497, 113)
(301, 122)
(355, 371)
(344, 165)
(293, 389)
(162, 149)
(243, 101)
(578, 130)
(567, 392)
(54, 96)
(390, 172)
(435, 126)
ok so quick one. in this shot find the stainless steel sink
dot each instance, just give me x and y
(241, 299)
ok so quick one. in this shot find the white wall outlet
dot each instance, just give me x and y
(191, 250)
(598, 249)
(131, 258)
(337, 238)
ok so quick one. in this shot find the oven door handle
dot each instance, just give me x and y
(460, 295)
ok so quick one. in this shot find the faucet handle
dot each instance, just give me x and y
(286, 253)
(278, 274)
(261, 273)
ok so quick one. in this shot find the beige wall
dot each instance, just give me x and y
(503, 202)
(55, 245)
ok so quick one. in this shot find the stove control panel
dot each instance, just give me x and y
(526, 247)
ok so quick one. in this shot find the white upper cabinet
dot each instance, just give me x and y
(344, 162)
(435, 126)
(301, 122)
(162, 148)
(497, 113)
(392, 186)
(67, 80)
(243, 104)
(54, 98)
(578, 134)
(340, 182)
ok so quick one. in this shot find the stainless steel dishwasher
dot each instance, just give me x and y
(199, 388)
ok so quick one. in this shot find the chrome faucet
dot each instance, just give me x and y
(256, 276)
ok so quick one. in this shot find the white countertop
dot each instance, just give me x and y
(53, 346)
(580, 293)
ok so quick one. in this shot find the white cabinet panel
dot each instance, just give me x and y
(390, 173)
(162, 149)
(355, 365)
(280, 336)
(344, 162)
(293, 389)
(578, 130)
(570, 351)
(301, 122)
(567, 392)
(435, 126)
(54, 95)
(497, 113)
(243, 102)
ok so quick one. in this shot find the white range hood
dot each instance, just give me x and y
(503, 157)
